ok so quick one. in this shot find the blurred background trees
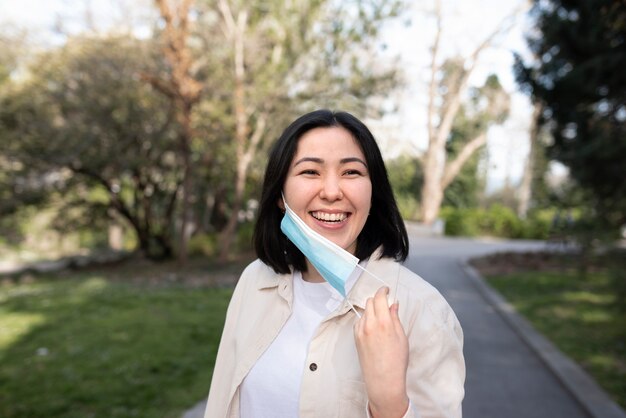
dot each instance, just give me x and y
(579, 82)
(164, 135)
(155, 139)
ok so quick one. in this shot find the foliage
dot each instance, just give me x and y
(467, 187)
(449, 109)
(496, 221)
(105, 349)
(461, 222)
(579, 80)
(83, 125)
(208, 244)
(270, 61)
(488, 104)
(578, 314)
(203, 244)
(90, 129)
(405, 176)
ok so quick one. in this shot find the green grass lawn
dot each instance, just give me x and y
(83, 346)
(579, 316)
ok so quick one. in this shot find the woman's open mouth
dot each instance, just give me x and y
(330, 217)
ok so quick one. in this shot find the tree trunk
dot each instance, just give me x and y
(228, 234)
(247, 142)
(432, 197)
(438, 172)
(185, 151)
(525, 190)
(184, 92)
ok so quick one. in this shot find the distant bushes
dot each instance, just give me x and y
(496, 221)
(208, 244)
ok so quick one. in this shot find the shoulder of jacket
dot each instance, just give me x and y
(424, 296)
(409, 283)
(256, 272)
(255, 266)
(414, 283)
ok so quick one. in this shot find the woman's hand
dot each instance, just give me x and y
(384, 356)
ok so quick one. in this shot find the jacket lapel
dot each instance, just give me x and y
(268, 324)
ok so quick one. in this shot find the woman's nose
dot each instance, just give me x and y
(331, 189)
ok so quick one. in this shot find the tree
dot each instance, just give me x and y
(473, 119)
(447, 87)
(17, 184)
(86, 127)
(116, 129)
(272, 60)
(580, 82)
(525, 189)
(405, 175)
(179, 85)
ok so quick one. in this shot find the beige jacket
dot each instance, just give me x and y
(334, 388)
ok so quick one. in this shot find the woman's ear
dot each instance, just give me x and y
(281, 204)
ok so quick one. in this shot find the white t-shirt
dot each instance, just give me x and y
(272, 387)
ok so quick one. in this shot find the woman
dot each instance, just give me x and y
(294, 345)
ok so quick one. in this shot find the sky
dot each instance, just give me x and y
(466, 23)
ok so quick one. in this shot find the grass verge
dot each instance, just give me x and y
(85, 346)
(578, 315)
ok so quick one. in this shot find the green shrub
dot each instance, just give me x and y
(496, 221)
(537, 225)
(502, 222)
(408, 206)
(461, 222)
(244, 236)
(202, 245)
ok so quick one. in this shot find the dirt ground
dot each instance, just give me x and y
(512, 262)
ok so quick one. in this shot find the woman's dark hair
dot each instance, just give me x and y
(384, 226)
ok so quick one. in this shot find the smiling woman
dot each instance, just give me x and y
(296, 343)
(328, 186)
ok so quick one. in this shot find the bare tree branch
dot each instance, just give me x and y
(454, 167)
(432, 89)
(438, 172)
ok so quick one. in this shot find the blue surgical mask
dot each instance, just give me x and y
(333, 262)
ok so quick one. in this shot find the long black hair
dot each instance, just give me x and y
(384, 226)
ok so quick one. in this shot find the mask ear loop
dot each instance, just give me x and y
(395, 292)
(353, 309)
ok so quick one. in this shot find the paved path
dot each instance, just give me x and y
(505, 378)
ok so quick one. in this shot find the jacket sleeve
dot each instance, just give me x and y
(223, 372)
(436, 371)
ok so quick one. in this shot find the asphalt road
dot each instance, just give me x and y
(505, 378)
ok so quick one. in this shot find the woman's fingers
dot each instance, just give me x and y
(382, 347)
(381, 307)
(395, 317)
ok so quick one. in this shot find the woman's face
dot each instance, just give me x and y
(328, 185)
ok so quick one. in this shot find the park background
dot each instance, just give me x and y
(133, 138)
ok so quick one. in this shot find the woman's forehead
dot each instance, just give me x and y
(328, 144)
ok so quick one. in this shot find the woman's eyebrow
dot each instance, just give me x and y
(321, 161)
(352, 160)
(310, 159)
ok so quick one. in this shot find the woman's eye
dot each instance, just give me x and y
(309, 172)
(353, 173)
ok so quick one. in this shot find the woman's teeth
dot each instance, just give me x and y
(329, 217)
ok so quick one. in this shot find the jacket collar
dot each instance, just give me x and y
(364, 288)
(270, 279)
